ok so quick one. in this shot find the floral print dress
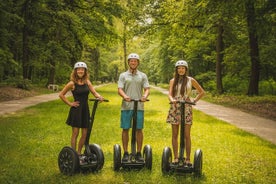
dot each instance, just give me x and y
(174, 114)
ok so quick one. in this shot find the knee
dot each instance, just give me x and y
(125, 131)
(75, 134)
(83, 136)
(139, 131)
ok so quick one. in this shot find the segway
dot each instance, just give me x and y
(93, 157)
(132, 163)
(181, 167)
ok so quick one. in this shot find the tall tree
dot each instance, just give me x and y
(253, 88)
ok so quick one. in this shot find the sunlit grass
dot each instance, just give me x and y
(32, 139)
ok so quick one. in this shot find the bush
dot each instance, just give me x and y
(267, 87)
(232, 84)
(207, 80)
(24, 84)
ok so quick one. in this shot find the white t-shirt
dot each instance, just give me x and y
(133, 85)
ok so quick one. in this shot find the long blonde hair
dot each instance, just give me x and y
(74, 76)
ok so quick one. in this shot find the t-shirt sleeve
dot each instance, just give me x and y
(145, 81)
(121, 81)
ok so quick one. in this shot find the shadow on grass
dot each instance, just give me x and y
(185, 178)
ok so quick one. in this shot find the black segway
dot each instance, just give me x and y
(181, 166)
(93, 157)
(132, 163)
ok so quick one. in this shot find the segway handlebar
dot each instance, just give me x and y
(138, 100)
(185, 102)
(97, 99)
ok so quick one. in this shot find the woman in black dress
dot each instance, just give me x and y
(78, 117)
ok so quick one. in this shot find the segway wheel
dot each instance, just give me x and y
(147, 154)
(198, 162)
(98, 155)
(166, 160)
(68, 161)
(116, 157)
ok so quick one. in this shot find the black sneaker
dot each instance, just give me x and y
(125, 157)
(139, 157)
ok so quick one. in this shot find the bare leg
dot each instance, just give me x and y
(125, 138)
(175, 129)
(139, 139)
(74, 136)
(188, 141)
(82, 139)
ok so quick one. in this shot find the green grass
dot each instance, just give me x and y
(32, 139)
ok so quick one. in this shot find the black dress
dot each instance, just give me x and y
(79, 116)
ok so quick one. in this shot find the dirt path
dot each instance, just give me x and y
(261, 127)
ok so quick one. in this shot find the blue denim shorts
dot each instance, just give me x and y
(127, 116)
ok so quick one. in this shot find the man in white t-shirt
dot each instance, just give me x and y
(132, 84)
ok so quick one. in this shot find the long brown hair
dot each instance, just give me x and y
(74, 76)
(179, 80)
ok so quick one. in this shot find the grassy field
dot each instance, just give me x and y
(32, 139)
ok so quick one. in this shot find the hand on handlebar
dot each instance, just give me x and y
(143, 99)
(100, 98)
(127, 99)
(183, 101)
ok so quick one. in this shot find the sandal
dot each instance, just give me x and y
(175, 161)
(188, 163)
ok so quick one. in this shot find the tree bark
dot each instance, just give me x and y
(253, 88)
(125, 48)
(25, 44)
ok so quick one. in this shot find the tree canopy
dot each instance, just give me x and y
(229, 45)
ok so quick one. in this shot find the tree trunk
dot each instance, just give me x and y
(253, 88)
(125, 48)
(219, 58)
(25, 44)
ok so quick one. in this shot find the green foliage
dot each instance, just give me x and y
(207, 80)
(267, 87)
(234, 84)
(59, 33)
(19, 83)
(24, 84)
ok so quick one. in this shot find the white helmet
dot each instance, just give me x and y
(133, 56)
(181, 63)
(80, 64)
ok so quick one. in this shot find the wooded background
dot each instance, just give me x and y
(229, 45)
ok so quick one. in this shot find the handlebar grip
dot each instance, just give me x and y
(138, 100)
(185, 102)
(97, 99)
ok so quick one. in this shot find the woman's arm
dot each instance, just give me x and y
(93, 91)
(200, 90)
(170, 95)
(63, 92)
